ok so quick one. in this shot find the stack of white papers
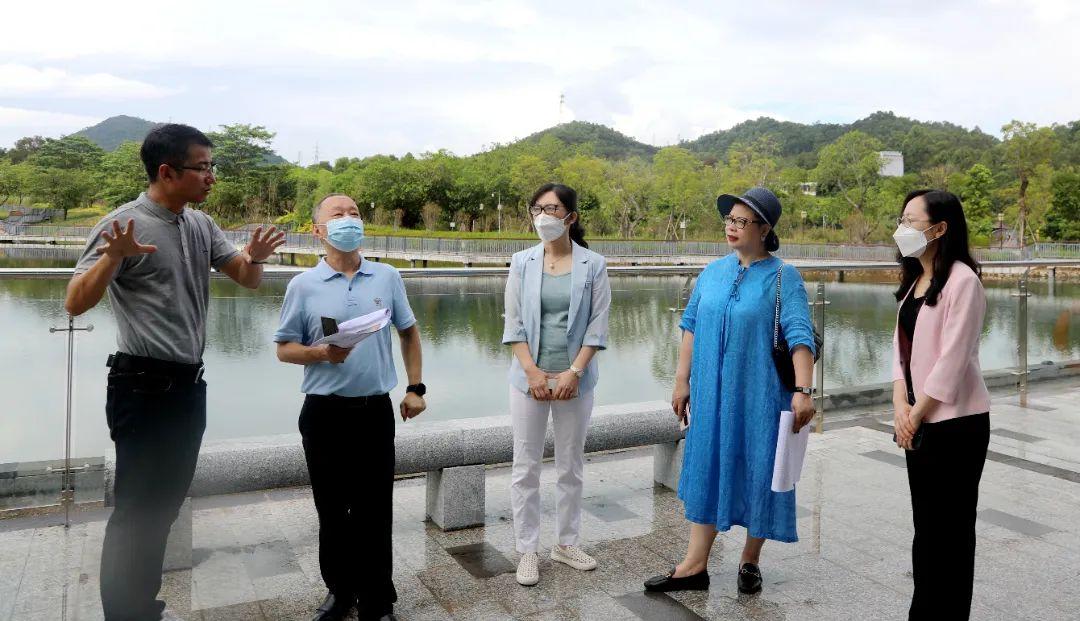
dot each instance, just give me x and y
(355, 330)
(790, 452)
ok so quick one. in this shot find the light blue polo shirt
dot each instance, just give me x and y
(323, 292)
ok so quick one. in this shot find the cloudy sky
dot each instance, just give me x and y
(358, 78)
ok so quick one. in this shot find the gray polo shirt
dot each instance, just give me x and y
(160, 299)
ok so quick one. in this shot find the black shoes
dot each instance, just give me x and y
(749, 579)
(334, 608)
(665, 583)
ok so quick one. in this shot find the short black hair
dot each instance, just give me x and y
(169, 144)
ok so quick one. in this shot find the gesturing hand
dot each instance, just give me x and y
(262, 246)
(121, 242)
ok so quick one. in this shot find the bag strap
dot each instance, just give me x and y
(776, 314)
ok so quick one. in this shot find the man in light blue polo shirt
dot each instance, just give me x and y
(347, 421)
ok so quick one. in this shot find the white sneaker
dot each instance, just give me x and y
(528, 571)
(573, 556)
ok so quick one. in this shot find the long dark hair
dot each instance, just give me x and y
(568, 197)
(941, 206)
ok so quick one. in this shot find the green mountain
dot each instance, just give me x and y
(109, 133)
(607, 143)
(923, 143)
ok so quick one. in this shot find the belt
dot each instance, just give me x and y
(349, 400)
(176, 372)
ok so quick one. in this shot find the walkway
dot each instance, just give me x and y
(256, 554)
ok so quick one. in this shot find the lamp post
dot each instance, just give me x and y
(481, 217)
(498, 206)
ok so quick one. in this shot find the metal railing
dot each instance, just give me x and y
(422, 247)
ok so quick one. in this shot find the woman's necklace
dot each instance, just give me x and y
(555, 261)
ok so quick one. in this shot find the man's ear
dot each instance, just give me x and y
(166, 172)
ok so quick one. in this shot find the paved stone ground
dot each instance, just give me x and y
(256, 555)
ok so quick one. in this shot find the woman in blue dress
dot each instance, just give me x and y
(726, 371)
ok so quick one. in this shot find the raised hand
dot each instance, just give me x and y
(262, 245)
(121, 242)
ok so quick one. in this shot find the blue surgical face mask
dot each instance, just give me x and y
(345, 233)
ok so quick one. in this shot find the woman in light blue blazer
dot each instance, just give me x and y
(557, 300)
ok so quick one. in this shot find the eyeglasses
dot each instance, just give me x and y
(740, 223)
(550, 210)
(907, 221)
(203, 168)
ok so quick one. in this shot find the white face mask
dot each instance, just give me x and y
(549, 228)
(911, 242)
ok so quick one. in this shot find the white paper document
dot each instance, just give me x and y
(355, 330)
(790, 452)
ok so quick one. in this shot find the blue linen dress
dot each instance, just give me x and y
(736, 397)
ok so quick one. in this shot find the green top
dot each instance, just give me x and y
(551, 355)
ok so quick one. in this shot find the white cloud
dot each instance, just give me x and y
(362, 76)
(18, 122)
(23, 81)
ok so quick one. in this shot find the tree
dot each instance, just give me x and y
(1063, 218)
(62, 188)
(239, 149)
(680, 186)
(1026, 147)
(14, 182)
(24, 148)
(629, 191)
(976, 190)
(755, 162)
(851, 165)
(69, 153)
(122, 175)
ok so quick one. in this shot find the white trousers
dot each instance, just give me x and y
(571, 421)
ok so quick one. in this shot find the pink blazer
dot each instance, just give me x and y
(945, 349)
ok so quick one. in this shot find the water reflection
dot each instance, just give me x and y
(251, 393)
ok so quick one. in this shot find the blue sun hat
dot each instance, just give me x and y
(763, 202)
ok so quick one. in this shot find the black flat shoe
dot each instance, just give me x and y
(749, 579)
(667, 582)
(334, 608)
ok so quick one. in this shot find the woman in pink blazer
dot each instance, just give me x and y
(942, 405)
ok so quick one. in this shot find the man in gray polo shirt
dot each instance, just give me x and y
(154, 255)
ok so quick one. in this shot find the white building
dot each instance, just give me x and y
(892, 164)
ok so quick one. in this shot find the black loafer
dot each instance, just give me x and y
(749, 579)
(334, 608)
(668, 582)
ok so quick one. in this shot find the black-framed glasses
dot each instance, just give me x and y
(551, 209)
(740, 223)
(203, 168)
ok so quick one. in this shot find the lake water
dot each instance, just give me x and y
(251, 393)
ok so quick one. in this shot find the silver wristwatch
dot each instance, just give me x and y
(576, 371)
(804, 390)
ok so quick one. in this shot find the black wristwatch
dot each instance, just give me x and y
(417, 389)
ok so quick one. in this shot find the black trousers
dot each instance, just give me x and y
(349, 447)
(944, 476)
(157, 426)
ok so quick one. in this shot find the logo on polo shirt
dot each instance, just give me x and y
(378, 301)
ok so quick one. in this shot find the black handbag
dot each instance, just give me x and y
(781, 355)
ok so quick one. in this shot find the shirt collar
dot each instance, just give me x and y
(159, 211)
(325, 272)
